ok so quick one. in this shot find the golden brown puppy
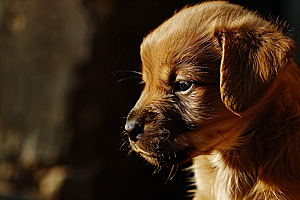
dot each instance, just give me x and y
(221, 88)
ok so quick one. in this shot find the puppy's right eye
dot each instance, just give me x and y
(182, 86)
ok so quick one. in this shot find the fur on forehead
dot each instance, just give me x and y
(167, 51)
(168, 48)
(222, 43)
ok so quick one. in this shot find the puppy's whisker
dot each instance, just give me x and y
(124, 139)
(125, 145)
(157, 170)
(124, 135)
(127, 71)
(127, 78)
(129, 152)
(130, 56)
(172, 173)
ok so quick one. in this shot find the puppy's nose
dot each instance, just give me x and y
(134, 129)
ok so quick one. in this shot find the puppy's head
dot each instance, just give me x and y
(203, 69)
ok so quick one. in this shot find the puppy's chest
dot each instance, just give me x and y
(217, 181)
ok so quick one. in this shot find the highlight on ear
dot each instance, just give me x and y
(252, 56)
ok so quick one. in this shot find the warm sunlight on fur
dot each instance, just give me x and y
(221, 88)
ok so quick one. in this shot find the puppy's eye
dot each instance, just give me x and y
(183, 85)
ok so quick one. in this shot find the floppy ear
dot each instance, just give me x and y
(251, 59)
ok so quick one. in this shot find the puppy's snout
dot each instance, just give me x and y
(134, 129)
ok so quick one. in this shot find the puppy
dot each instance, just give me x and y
(221, 88)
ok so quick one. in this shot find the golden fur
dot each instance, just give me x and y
(221, 88)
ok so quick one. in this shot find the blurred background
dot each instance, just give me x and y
(65, 93)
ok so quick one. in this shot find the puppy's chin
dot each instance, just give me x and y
(148, 156)
(162, 156)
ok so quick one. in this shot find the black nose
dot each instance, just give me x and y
(134, 129)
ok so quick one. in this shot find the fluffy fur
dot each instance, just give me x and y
(221, 88)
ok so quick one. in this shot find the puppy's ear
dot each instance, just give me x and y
(251, 59)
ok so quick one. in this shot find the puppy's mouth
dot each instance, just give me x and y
(162, 132)
(159, 147)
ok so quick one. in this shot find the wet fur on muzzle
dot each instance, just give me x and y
(221, 88)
